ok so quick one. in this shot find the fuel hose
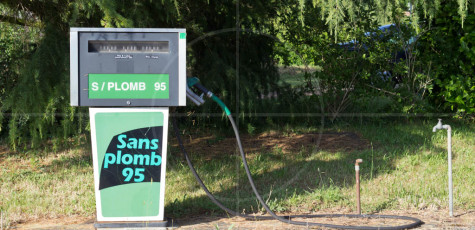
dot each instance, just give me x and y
(286, 219)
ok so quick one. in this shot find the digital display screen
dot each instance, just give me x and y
(128, 47)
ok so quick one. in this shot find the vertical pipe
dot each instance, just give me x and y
(449, 156)
(449, 147)
(357, 172)
(358, 202)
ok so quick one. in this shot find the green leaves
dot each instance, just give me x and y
(459, 93)
(454, 59)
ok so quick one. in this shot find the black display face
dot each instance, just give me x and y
(128, 47)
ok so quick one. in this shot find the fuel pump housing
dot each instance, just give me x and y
(116, 67)
(129, 77)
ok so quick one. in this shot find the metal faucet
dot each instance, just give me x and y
(440, 126)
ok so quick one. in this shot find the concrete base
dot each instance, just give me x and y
(153, 225)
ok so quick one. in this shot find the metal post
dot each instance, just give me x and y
(449, 156)
(449, 147)
(357, 171)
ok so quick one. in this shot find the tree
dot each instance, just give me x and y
(39, 101)
(453, 49)
(417, 74)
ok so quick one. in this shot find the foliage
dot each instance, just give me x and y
(39, 102)
(337, 13)
(14, 48)
(398, 65)
(240, 79)
(351, 72)
(235, 55)
(41, 94)
(453, 57)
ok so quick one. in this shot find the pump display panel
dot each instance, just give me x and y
(128, 47)
(113, 67)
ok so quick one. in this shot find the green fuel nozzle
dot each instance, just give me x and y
(195, 82)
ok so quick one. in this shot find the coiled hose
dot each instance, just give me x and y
(286, 219)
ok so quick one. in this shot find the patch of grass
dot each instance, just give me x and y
(295, 75)
(37, 186)
(406, 168)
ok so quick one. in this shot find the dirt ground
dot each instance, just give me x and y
(213, 146)
(431, 220)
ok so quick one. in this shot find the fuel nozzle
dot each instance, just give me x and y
(195, 82)
(190, 94)
(193, 97)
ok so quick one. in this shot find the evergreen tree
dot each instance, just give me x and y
(39, 101)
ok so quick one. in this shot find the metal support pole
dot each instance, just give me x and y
(357, 171)
(449, 147)
(449, 156)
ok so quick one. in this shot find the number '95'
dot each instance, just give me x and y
(137, 174)
(160, 86)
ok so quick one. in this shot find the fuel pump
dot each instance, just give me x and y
(129, 78)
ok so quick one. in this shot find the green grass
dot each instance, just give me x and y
(405, 169)
(45, 185)
(295, 75)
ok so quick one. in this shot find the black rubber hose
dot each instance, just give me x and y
(285, 219)
(203, 186)
(416, 222)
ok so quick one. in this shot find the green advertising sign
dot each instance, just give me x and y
(129, 156)
(129, 86)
